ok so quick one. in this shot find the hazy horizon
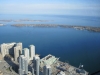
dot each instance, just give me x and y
(51, 7)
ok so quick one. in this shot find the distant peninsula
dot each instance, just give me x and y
(89, 28)
(25, 20)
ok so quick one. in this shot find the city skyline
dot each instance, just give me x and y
(48, 65)
(55, 7)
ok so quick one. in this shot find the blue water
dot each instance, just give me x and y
(72, 46)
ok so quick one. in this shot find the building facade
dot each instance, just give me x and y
(23, 65)
(32, 52)
(6, 48)
(47, 70)
(37, 64)
(26, 53)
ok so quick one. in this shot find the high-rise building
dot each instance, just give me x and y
(32, 71)
(6, 48)
(17, 51)
(20, 70)
(26, 66)
(3, 49)
(26, 53)
(47, 70)
(20, 46)
(32, 52)
(23, 65)
(37, 64)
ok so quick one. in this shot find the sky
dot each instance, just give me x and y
(52, 7)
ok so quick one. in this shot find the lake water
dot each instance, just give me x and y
(72, 46)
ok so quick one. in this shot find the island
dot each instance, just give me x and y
(88, 28)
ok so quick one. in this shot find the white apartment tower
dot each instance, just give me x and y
(32, 52)
(20, 46)
(33, 71)
(17, 51)
(26, 53)
(37, 64)
(23, 65)
(5, 47)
